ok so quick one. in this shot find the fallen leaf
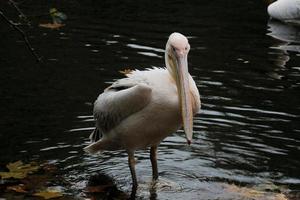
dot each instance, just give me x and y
(255, 194)
(16, 175)
(126, 71)
(48, 194)
(280, 197)
(52, 26)
(14, 165)
(17, 188)
(20, 167)
(18, 170)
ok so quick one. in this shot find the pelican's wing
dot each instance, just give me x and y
(120, 100)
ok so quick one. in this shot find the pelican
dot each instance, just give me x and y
(285, 10)
(139, 111)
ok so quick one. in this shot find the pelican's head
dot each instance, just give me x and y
(177, 49)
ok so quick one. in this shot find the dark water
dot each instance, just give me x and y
(247, 70)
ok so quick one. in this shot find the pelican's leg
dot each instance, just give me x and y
(131, 163)
(153, 159)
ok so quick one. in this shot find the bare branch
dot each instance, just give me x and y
(39, 59)
(23, 17)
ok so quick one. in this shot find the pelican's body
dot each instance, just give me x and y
(285, 10)
(139, 111)
(150, 109)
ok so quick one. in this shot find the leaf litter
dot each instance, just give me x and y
(30, 179)
(19, 170)
(48, 194)
(38, 181)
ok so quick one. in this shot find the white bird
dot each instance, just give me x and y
(141, 110)
(285, 10)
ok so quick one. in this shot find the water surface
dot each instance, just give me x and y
(246, 67)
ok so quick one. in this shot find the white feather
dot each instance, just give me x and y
(146, 113)
(285, 10)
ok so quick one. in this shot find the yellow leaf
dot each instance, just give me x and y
(48, 194)
(13, 166)
(52, 26)
(18, 170)
(20, 167)
(16, 175)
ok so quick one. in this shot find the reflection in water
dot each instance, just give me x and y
(101, 186)
(287, 40)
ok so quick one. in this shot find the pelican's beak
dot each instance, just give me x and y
(182, 81)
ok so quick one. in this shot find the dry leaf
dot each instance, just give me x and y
(14, 165)
(126, 71)
(48, 194)
(255, 194)
(280, 197)
(52, 26)
(17, 188)
(18, 170)
(20, 167)
(16, 175)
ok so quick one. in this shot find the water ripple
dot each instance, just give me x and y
(137, 46)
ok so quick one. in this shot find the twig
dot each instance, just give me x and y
(19, 11)
(39, 59)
